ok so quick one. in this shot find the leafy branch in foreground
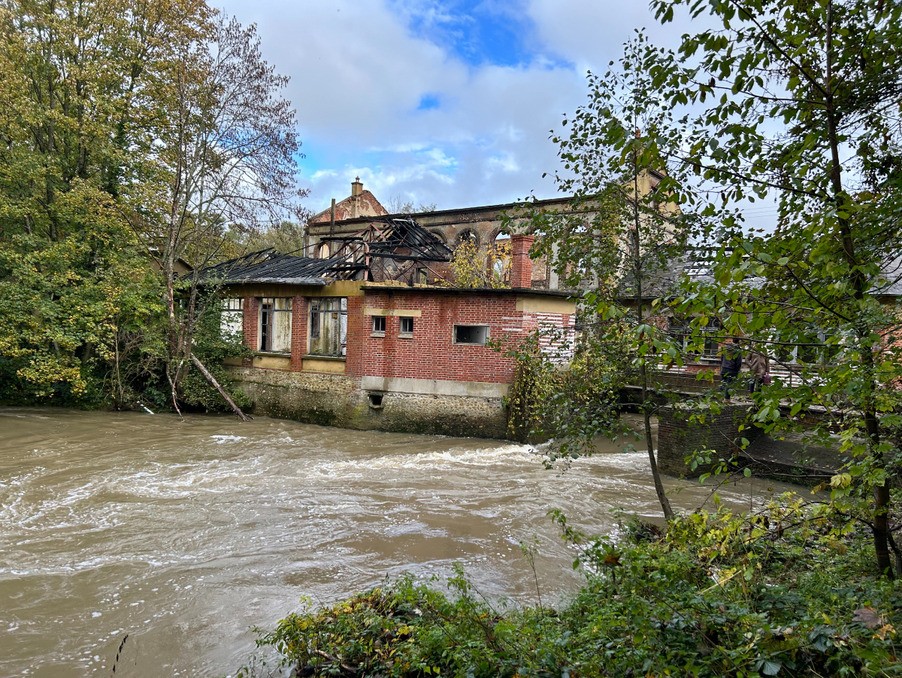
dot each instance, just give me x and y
(799, 101)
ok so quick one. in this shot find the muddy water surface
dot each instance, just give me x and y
(186, 533)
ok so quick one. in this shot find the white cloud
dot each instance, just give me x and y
(358, 77)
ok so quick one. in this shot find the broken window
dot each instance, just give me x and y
(231, 319)
(471, 334)
(328, 326)
(406, 327)
(275, 324)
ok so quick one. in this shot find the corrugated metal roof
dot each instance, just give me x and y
(271, 267)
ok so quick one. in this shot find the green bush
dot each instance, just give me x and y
(719, 595)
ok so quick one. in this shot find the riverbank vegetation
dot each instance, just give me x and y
(796, 103)
(768, 594)
(140, 143)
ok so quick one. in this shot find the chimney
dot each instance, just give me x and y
(521, 264)
(356, 190)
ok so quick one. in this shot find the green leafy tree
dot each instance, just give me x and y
(77, 83)
(286, 237)
(131, 132)
(474, 267)
(800, 101)
(615, 242)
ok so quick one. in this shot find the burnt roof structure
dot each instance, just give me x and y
(271, 267)
(386, 250)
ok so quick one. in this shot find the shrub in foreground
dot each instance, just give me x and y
(718, 595)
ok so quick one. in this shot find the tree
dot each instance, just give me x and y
(800, 101)
(130, 131)
(286, 237)
(76, 101)
(399, 205)
(474, 267)
(621, 231)
(226, 155)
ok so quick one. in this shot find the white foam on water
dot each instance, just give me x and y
(504, 455)
(221, 439)
(44, 567)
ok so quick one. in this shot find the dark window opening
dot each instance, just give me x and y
(375, 399)
(378, 324)
(471, 334)
(406, 326)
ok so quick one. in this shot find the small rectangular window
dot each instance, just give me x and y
(406, 327)
(471, 334)
(378, 324)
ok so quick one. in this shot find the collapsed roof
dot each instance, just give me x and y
(271, 267)
(385, 250)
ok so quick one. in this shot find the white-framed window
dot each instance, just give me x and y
(275, 325)
(329, 326)
(378, 325)
(231, 319)
(476, 335)
(406, 329)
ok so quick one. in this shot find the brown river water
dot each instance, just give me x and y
(185, 534)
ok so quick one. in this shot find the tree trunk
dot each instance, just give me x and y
(215, 384)
(647, 404)
(842, 203)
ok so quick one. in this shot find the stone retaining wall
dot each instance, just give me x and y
(791, 459)
(338, 400)
(718, 432)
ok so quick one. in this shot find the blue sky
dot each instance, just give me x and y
(447, 103)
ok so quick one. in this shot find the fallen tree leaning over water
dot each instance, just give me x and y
(770, 593)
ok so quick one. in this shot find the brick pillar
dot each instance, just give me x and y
(298, 332)
(358, 333)
(521, 264)
(251, 318)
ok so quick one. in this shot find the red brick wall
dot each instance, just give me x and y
(298, 332)
(251, 318)
(521, 264)
(358, 327)
(432, 353)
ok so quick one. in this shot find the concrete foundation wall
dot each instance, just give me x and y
(338, 400)
(792, 459)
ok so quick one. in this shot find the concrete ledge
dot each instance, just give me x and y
(322, 364)
(436, 387)
(272, 361)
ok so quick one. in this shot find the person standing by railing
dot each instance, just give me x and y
(730, 365)
(759, 364)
